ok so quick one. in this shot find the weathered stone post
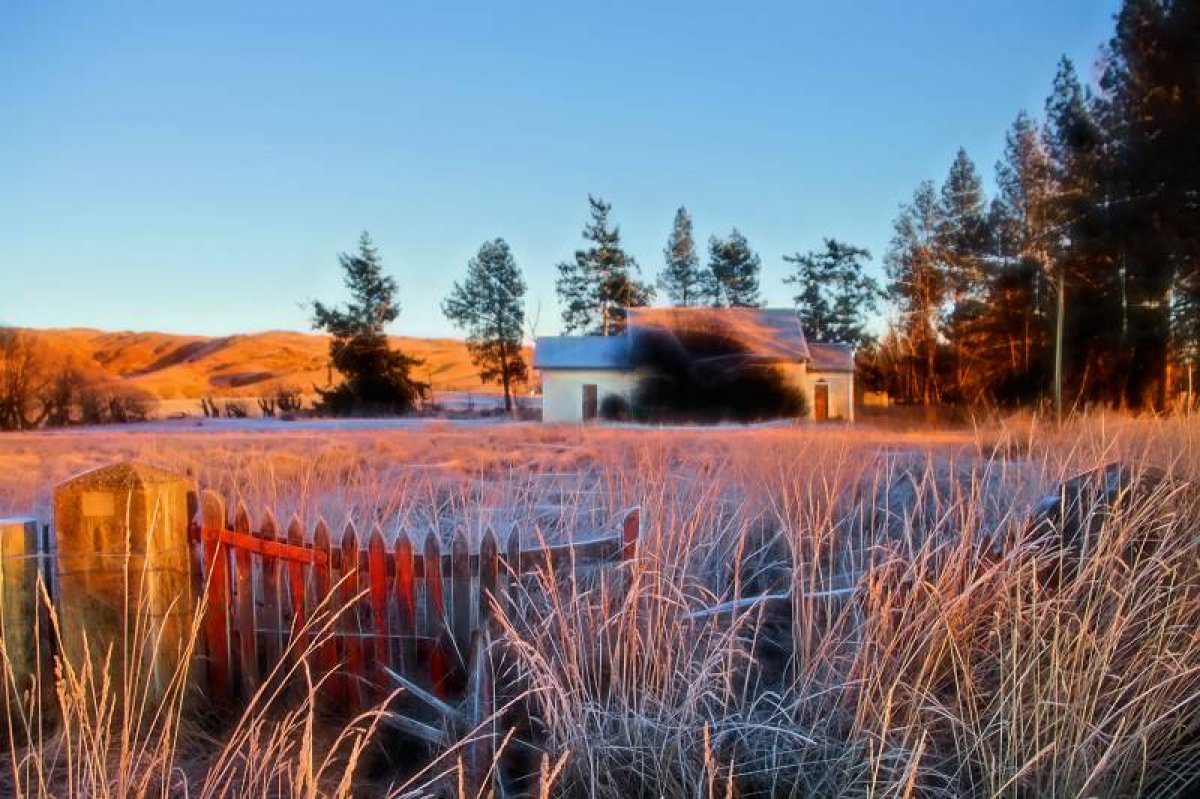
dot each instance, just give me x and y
(20, 561)
(124, 571)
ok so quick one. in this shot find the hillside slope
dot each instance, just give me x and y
(175, 367)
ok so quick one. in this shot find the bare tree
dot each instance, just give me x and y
(24, 380)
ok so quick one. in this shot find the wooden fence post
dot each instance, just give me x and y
(216, 611)
(20, 556)
(124, 557)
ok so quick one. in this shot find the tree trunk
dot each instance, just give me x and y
(506, 380)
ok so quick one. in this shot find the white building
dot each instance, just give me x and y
(578, 372)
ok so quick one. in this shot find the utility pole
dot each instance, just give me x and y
(1064, 245)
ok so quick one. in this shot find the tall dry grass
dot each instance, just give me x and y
(924, 651)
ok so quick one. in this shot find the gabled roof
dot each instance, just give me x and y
(581, 352)
(831, 358)
(772, 334)
(768, 333)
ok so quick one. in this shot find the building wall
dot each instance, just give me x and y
(562, 391)
(841, 393)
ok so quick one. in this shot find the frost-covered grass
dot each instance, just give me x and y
(953, 671)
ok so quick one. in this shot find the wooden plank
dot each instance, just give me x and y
(270, 640)
(480, 701)
(216, 610)
(406, 604)
(351, 629)
(460, 595)
(247, 645)
(631, 529)
(327, 654)
(259, 546)
(297, 596)
(435, 616)
(377, 571)
(513, 570)
(489, 568)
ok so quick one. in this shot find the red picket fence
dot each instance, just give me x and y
(412, 610)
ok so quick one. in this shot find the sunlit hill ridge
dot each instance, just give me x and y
(177, 367)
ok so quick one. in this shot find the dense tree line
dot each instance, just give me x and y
(1097, 207)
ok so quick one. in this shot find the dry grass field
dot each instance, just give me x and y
(968, 661)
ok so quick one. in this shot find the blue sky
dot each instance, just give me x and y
(197, 167)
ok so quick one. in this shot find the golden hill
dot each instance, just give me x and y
(176, 367)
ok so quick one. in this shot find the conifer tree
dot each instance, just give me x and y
(962, 249)
(489, 305)
(377, 378)
(834, 293)
(600, 283)
(917, 289)
(733, 270)
(682, 279)
(963, 230)
(1151, 111)
(1019, 306)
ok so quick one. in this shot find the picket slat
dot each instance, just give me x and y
(460, 596)
(247, 626)
(406, 604)
(352, 637)
(377, 571)
(631, 529)
(216, 609)
(489, 567)
(297, 596)
(512, 580)
(269, 622)
(435, 615)
(327, 656)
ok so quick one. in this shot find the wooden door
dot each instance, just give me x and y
(591, 406)
(821, 402)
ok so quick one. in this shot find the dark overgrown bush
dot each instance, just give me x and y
(614, 408)
(707, 376)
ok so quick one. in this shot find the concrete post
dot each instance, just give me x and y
(19, 605)
(124, 571)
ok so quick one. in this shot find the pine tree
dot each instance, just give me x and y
(733, 272)
(963, 229)
(917, 289)
(682, 279)
(376, 378)
(1096, 362)
(962, 248)
(600, 283)
(835, 295)
(489, 304)
(1019, 306)
(1151, 110)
